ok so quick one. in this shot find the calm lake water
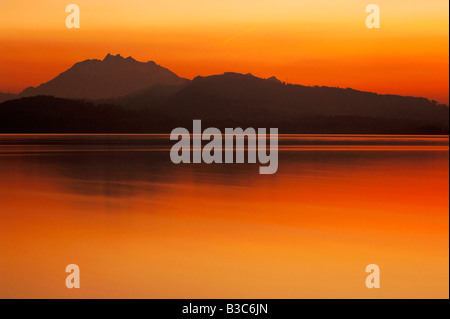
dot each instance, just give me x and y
(140, 226)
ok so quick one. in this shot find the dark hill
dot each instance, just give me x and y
(46, 114)
(246, 96)
(244, 100)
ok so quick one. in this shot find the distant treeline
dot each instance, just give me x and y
(46, 114)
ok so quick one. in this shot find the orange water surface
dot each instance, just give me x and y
(139, 226)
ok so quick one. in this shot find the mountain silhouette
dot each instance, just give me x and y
(113, 76)
(123, 95)
(247, 94)
(147, 98)
(7, 96)
(235, 97)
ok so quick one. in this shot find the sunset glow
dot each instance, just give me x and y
(224, 149)
(304, 42)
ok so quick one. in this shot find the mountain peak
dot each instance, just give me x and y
(111, 77)
(274, 79)
(110, 57)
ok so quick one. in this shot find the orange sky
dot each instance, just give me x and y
(319, 42)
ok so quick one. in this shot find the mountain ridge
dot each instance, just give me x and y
(113, 76)
(110, 59)
(165, 100)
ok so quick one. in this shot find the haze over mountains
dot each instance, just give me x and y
(124, 95)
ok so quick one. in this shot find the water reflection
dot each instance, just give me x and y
(140, 226)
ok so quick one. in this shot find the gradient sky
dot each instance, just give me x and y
(320, 42)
